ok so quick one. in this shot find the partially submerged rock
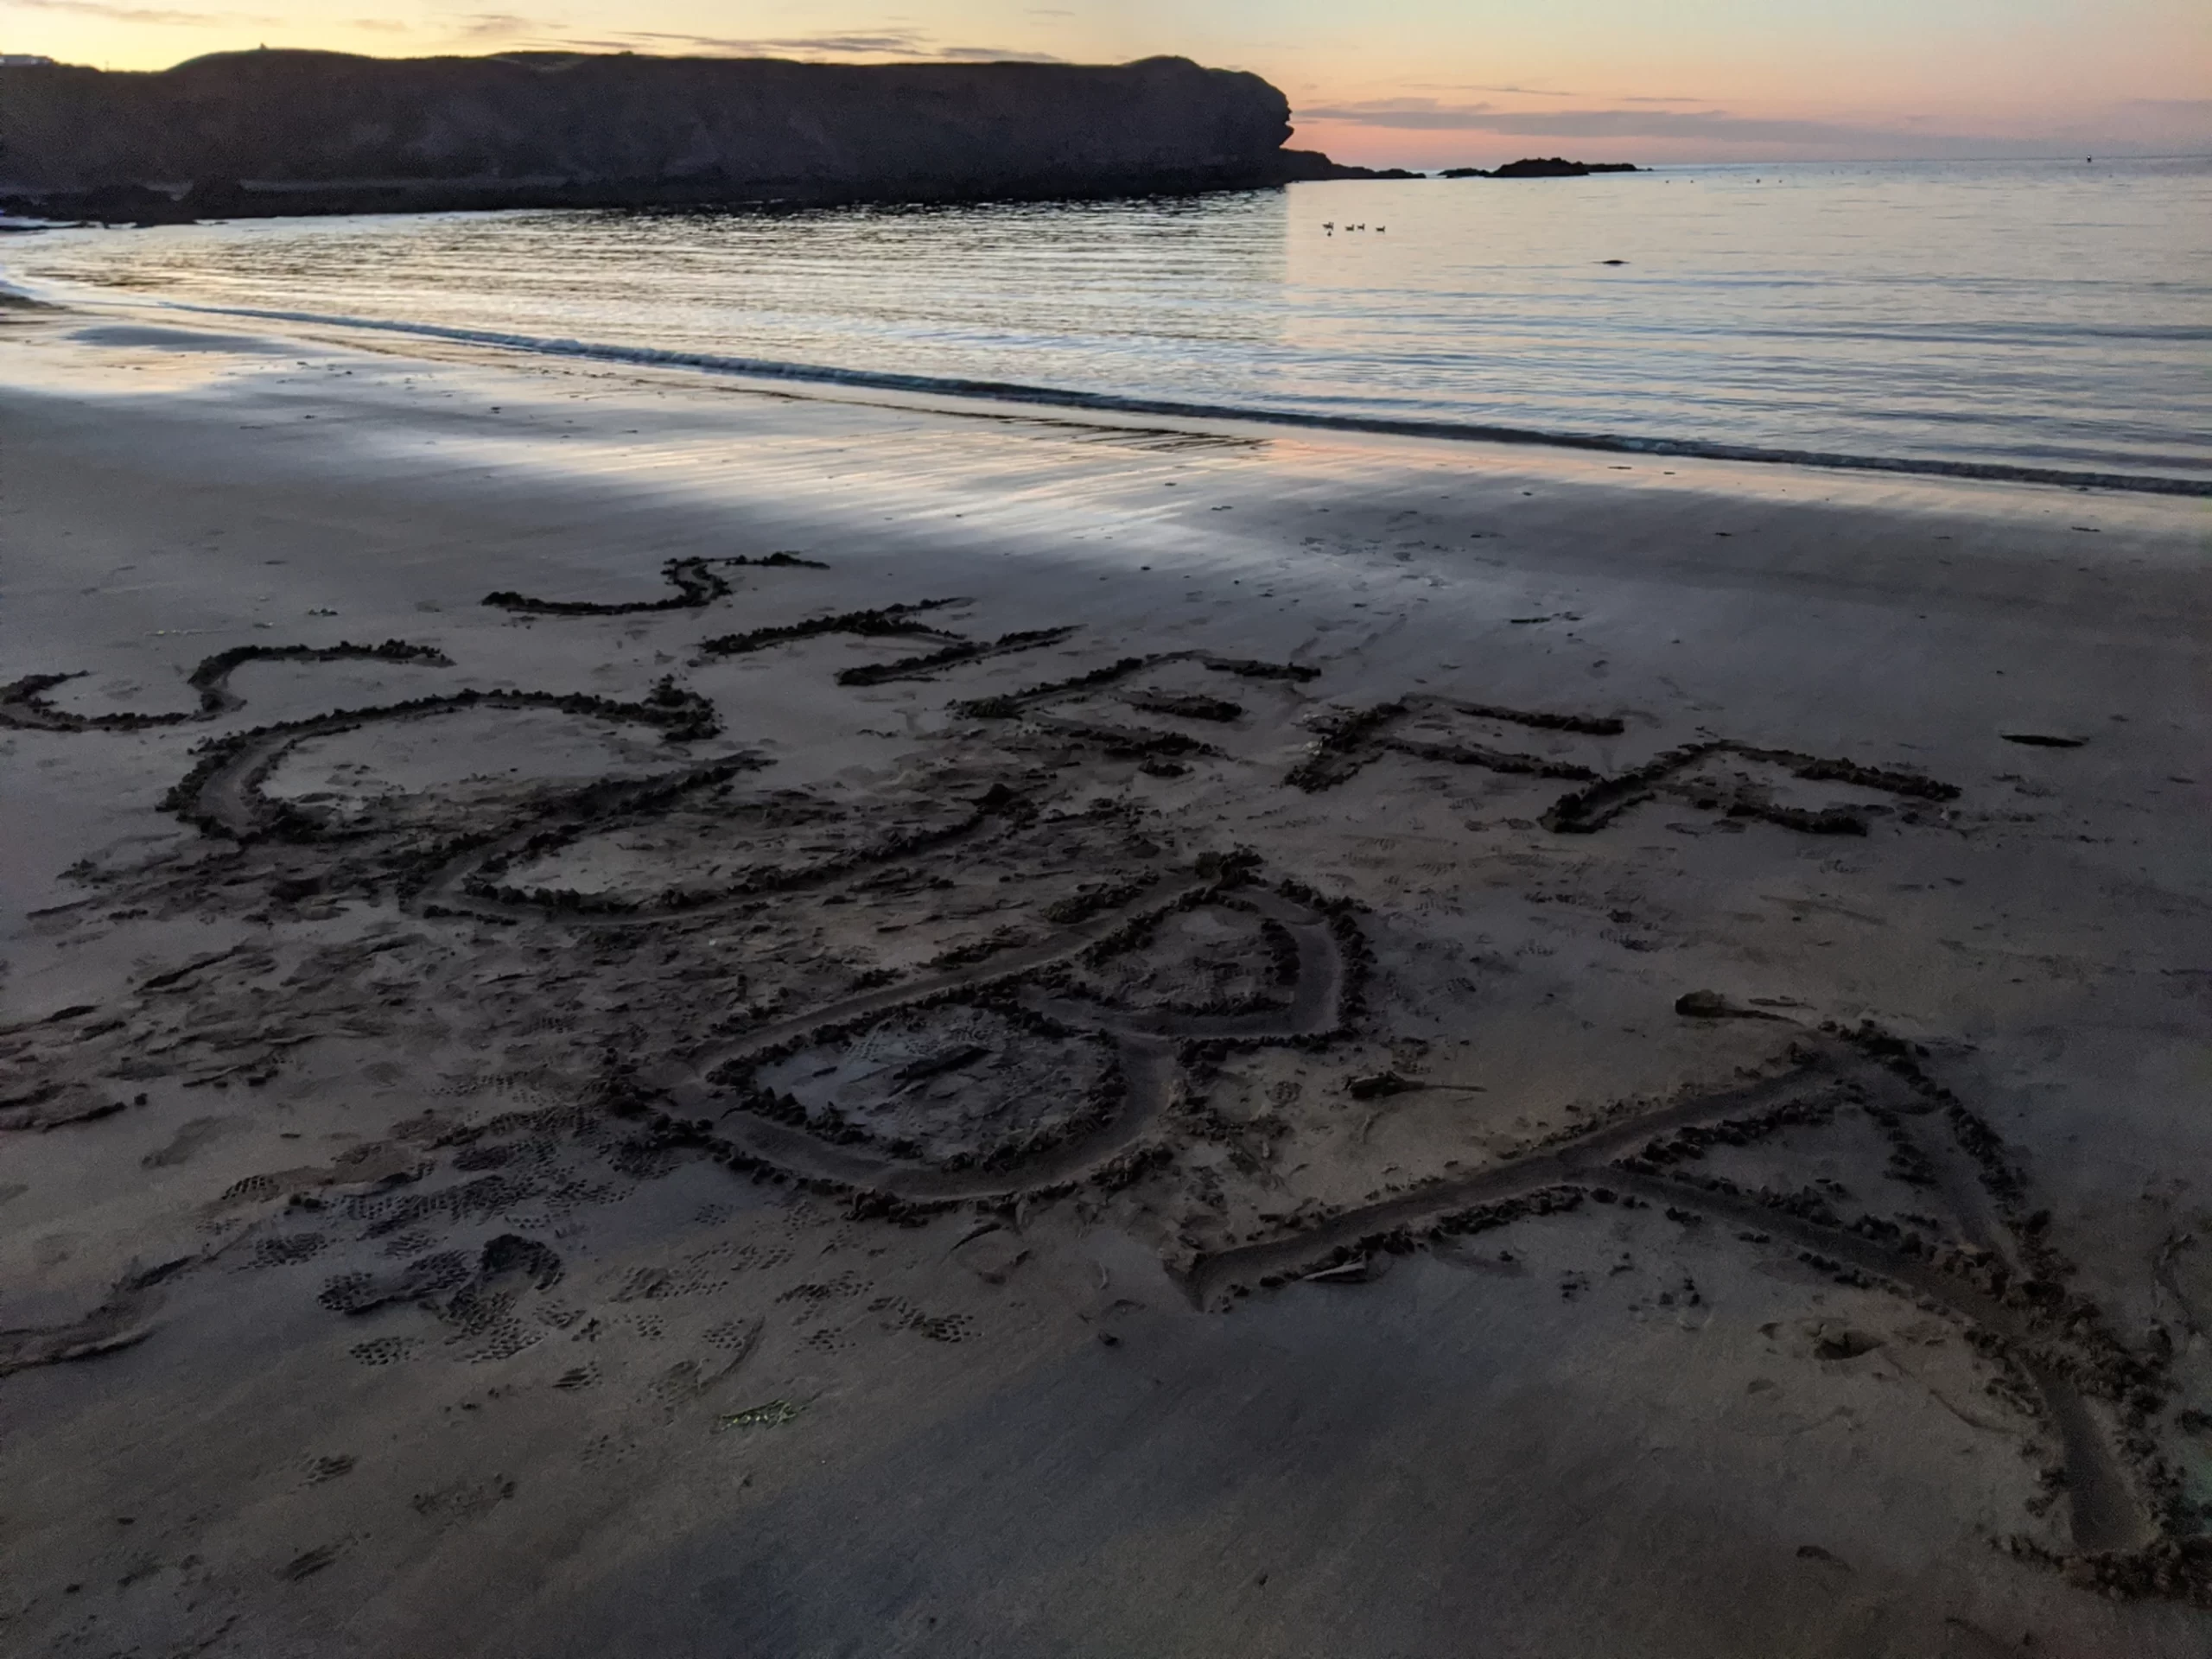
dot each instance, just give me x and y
(1540, 167)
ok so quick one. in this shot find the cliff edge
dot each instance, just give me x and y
(253, 133)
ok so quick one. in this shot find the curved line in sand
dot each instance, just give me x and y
(24, 704)
(459, 885)
(222, 792)
(1145, 1043)
(2105, 1512)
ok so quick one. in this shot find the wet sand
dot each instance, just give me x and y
(643, 1015)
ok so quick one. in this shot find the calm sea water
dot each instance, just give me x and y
(2050, 315)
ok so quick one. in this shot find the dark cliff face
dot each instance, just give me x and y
(318, 131)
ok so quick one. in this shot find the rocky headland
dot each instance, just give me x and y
(255, 134)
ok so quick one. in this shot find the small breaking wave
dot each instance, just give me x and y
(1009, 391)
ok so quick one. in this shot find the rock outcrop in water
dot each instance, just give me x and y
(1540, 167)
(259, 133)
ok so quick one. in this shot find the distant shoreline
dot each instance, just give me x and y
(144, 206)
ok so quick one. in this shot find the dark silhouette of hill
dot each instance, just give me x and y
(253, 133)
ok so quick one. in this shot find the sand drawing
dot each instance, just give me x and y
(991, 976)
(695, 581)
(23, 702)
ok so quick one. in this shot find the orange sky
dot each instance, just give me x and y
(1422, 83)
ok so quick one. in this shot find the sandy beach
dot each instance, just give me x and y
(645, 1014)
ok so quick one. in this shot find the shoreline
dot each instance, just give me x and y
(992, 1021)
(1015, 393)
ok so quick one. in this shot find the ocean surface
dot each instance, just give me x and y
(2041, 315)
